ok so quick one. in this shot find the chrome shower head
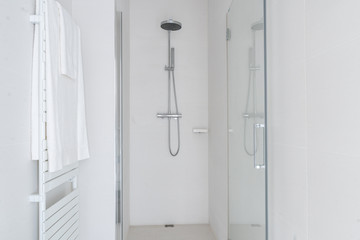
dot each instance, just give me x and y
(171, 25)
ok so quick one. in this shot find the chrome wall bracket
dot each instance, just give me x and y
(35, 198)
(35, 19)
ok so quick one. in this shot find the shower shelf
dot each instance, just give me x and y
(200, 130)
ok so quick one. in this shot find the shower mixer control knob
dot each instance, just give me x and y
(167, 68)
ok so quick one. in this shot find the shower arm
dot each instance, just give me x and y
(170, 68)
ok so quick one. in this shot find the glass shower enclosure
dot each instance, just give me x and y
(247, 120)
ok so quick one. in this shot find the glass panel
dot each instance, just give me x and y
(246, 121)
(118, 126)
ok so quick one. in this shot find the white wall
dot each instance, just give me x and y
(314, 58)
(218, 199)
(333, 73)
(287, 121)
(18, 174)
(97, 180)
(166, 189)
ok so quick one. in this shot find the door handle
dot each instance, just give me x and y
(256, 127)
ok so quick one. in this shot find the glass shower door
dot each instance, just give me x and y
(246, 121)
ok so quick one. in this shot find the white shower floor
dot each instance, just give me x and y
(179, 232)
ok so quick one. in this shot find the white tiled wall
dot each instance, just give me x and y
(314, 158)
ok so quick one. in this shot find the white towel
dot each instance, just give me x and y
(66, 126)
(82, 138)
(71, 66)
(69, 44)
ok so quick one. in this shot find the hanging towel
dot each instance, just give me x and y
(71, 66)
(65, 104)
(82, 138)
(69, 44)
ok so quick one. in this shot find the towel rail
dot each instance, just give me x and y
(61, 220)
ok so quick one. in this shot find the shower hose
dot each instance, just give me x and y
(177, 112)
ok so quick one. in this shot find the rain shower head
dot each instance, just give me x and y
(257, 26)
(171, 25)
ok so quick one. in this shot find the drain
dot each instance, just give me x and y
(169, 225)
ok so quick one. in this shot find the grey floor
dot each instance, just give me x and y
(178, 232)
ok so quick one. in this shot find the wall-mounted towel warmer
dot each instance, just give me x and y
(59, 221)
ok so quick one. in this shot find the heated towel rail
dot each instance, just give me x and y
(59, 221)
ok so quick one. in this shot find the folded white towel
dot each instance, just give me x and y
(69, 44)
(66, 125)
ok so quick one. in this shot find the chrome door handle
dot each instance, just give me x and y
(256, 127)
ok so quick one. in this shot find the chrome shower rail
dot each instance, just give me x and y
(171, 25)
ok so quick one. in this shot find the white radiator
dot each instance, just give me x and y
(59, 221)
